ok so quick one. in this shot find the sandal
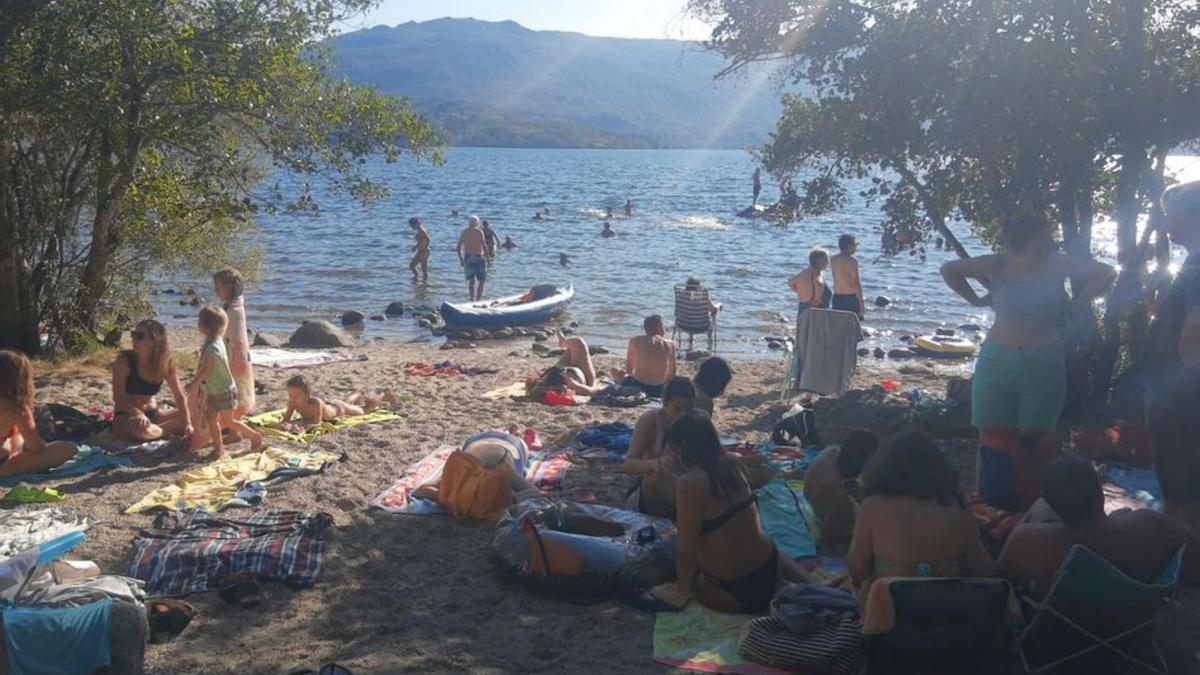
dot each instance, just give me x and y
(168, 618)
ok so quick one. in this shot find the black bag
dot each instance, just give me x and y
(796, 428)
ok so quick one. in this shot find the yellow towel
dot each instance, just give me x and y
(514, 390)
(213, 485)
(267, 419)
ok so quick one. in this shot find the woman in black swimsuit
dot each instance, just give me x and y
(723, 557)
(138, 377)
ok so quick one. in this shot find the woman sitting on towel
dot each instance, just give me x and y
(22, 449)
(913, 522)
(723, 557)
(138, 376)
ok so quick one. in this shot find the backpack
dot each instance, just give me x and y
(471, 490)
(796, 427)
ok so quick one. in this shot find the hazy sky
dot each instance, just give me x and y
(616, 18)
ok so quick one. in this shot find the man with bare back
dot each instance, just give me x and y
(577, 355)
(650, 359)
(471, 247)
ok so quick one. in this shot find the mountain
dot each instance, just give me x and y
(501, 84)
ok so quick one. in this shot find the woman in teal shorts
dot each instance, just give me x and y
(1020, 381)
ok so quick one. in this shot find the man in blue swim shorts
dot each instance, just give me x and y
(471, 247)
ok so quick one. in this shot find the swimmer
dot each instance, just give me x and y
(608, 232)
(628, 208)
(508, 244)
(608, 213)
(564, 260)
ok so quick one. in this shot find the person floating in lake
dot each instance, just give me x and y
(537, 215)
(313, 410)
(608, 232)
(628, 208)
(608, 213)
(508, 244)
(1071, 512)
(219, 387)
(564, 260)
(472, 247)
(847, 287)
(138, 375)
(809, 284)
(453, 213)
(724, 559)
(420, 259)
(757, 185)
(22, 448)
(831, 485)
(491, 241)
(1172, 351)
(649, 360)
(1020, 382)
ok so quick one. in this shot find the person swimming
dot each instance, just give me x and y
(564, 260)
(628, 208)
(608, 232)
(508, 244)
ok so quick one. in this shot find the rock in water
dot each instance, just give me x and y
(267, 340)
(394, 309)
(697, 355)
(503, 333)
(863, 351)
(879, 353)
(901, 354)
(320, 334)
(352, 318)
(944, 332)
(883, 301)
(424, 323)
(378, 317)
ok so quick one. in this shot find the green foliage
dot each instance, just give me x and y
(134, 135)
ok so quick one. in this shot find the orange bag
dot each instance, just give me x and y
(471, 490)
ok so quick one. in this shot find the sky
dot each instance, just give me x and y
(609, 18)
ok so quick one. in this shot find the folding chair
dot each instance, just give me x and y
(694, 316)
(1093, 606)
(951, 625)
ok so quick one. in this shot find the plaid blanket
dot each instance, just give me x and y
(193, 552)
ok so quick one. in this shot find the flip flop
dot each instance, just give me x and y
(168, 618)
(27, 495)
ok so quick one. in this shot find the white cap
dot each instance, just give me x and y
(473, 221)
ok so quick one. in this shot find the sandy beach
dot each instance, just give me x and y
(406, 593)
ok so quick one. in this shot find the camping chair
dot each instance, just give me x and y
(694, 317)
(954, 625)
(1094, 606)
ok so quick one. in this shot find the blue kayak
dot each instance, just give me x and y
(539, 305)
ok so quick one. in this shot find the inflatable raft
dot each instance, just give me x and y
(583, 552)
(945, 347)
(539, 305)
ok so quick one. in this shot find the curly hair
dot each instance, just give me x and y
(231, 278)
(16, 380)
(912, 465)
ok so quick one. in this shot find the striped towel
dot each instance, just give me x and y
(194, 552)
(547, 471)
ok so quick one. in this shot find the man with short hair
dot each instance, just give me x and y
(471, 248)
(1138, 542)
(650, 359)
(831, 485)
(420, 259)
(847, 287)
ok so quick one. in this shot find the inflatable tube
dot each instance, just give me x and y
(943, 347)
(513, 310)
(583, 552)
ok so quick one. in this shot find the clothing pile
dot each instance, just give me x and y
(612, 438)
(812, 628)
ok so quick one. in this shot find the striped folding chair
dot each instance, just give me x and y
(694, 316)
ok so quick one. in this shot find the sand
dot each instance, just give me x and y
(405, 593)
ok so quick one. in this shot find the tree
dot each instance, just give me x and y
(134, 135)
(974, 110)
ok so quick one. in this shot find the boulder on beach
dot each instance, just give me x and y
(318, 335)
(503, 333)
(352, 317)
(883, 301)
(870, 409)
(267, 340)
(394, 309)
(879, 353)
(900, 353)
(539, 348)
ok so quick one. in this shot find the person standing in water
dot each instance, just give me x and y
(608, 232)
(471, 248)
(1020, 382)
(757, 185)
(847, 288)
(490, 240)
(420, 259)
(809, 284)
(628, 208)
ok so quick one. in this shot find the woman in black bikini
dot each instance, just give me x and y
(723, 557)
(138, 377)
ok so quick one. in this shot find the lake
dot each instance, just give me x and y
(351, 256)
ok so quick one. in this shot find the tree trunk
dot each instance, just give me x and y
(19, 318)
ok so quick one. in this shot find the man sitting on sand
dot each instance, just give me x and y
(1072, 512)
(831, 486)
(471, 248)
(576, 355)
(650, 359)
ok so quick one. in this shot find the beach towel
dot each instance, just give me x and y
(514, 391)
(274, 357)
(826, 350)
(305, 434)
(612, 437)
(22, 529)
(1130, 487)
(782, 516)
(548, 470)
(87, 460)
(193, 552)
(396, 498)
(443, 369)
(215, 486)
(700, 639)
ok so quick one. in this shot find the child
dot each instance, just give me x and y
(213, 372)
(22, 448)
(314, 410)
(228, 285)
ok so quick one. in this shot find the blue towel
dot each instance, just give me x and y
(87, 460)
(1139, 483)
(59, 640)
(779, 509)
(613, 437)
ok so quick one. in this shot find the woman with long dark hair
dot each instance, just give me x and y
(723, 557)
(138, 377)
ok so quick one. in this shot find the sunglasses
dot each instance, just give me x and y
(137, 335)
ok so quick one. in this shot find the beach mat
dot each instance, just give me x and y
(514, 391)
(212, 487)
(703, 640)
(87, 460)
(396, 498)
(548, 471)
(781, 510)
(296, 432)
(1130, 487)
(274, 357)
